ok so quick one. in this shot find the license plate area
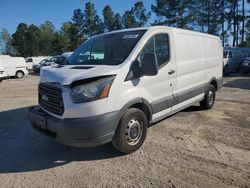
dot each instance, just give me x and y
(41, 121)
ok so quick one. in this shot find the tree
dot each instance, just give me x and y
(129, 20)
(70, 36)
(117, 22)
(6, 43)
(136, 16)
(247, 41)
(173, 13)
(87, 21)
(78, 20)
(20, 40)
(207, 14)
(33, 39)
(108, 18)
(140, 14)
(47, 34)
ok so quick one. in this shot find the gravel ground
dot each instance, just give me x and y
(193, 148)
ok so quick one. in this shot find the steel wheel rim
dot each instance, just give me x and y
(19, 75)
(134, 131)
(210, 98)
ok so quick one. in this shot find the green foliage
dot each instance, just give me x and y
(108, 18)
(117, 22)
(45, 40)
(6, 43)
(137, 16)
(247, 41)
(174, 13)
(87, 21)
(20, 40)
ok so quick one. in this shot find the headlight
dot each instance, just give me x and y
(92, 91)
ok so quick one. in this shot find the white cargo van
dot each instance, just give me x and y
(12, 67)
(139, 77)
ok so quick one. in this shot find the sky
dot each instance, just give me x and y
(13, 12)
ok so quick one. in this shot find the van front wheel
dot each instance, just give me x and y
(131, 131)
(208, 101)
(19, 74)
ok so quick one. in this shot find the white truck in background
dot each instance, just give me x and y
(32, 61)
(116, 84)
(12, 67)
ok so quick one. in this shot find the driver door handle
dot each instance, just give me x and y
(171, 72)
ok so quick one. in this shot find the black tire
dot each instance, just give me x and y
(1, 81)
(208, 101)
(19, 74)
(131, 131)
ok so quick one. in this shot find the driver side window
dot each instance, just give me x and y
(158, 44)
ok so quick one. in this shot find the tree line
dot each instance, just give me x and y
(228, 19)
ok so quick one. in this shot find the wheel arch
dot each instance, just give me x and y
(139, 103)
(216, 82)
(19, 71)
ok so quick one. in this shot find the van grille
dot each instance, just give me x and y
(50, 98)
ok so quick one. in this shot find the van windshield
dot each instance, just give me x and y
(109, 49)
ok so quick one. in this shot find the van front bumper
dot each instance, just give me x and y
(78, 132)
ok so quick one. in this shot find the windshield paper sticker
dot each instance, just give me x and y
(130, 36)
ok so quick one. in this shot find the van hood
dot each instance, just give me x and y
(66, 74)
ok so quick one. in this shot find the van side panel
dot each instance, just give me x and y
(191, 72)
(213, 58)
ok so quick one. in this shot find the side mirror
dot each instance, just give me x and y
(149, 65)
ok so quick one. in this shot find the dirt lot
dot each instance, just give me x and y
(193, 148)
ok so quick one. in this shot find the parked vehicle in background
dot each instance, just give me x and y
(227, 56)
(3, 73)
(31, 61)
(233, 58)
(43, 63)
(136, 77)
(63, 57)
(56, 60)
(246, 64)
(12, 67)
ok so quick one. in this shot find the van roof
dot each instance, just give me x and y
(174, 29)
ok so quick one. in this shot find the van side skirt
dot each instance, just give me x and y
(173, 100)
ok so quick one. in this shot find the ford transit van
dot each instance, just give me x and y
(12, 67)
(116, 84)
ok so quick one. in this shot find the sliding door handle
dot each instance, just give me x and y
(171, 72)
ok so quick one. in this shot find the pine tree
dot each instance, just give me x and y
(173, 13)
(108, 18)
(87, 21)
(137, 16)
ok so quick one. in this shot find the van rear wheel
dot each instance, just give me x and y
(131, 131)
(208, 101)
(19, 75)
